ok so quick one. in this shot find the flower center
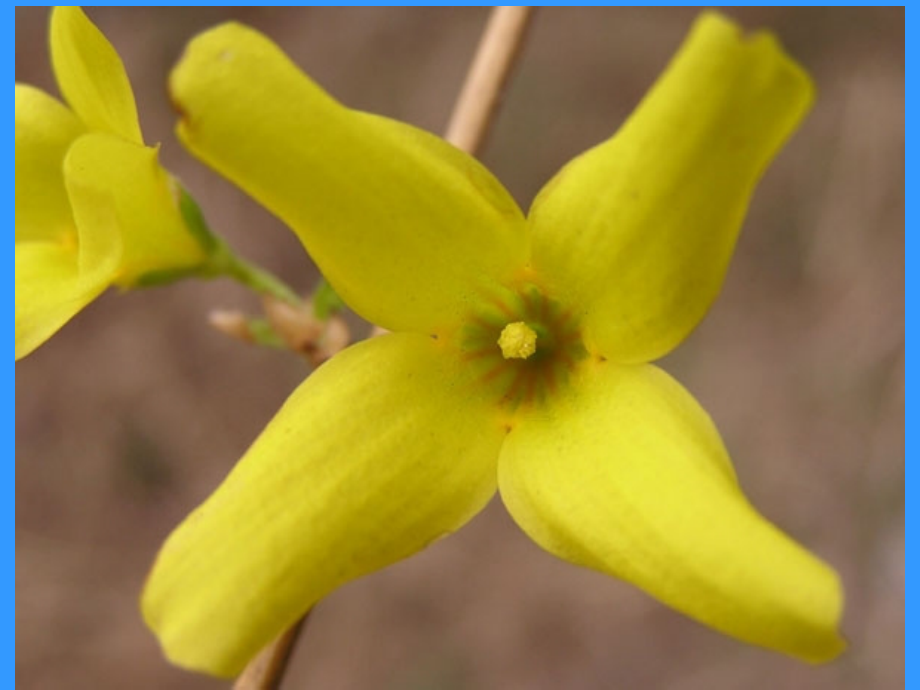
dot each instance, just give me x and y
(517, 370)
(517, 341)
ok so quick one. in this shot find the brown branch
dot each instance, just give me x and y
(472, 118)
(479, 99)
(266, 671)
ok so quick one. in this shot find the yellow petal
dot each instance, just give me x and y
(638, 231)
(44, 131)
(91, 76)
(154, 235)
(627, 475)
(55, 280)
(381, 451)
(48, 292)
(406, 228)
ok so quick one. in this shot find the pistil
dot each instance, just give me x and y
(517, 341)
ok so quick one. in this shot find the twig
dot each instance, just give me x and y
(472, 117)
(266, 671)
(485, 82)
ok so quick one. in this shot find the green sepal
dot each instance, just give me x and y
(195, 222)
(326, 300)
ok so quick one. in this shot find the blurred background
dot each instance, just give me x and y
(135, 411)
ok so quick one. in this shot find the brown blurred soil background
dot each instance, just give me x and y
(135, 411)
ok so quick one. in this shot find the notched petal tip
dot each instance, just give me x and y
(758, 46)
(639, 230)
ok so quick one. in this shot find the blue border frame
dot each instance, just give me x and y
(910, 286)
(8, 476)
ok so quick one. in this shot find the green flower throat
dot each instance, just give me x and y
(524, 345)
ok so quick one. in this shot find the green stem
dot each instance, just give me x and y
(221, 259)
(226, 263)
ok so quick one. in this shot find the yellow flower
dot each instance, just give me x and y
(93, 205)
(518, 362)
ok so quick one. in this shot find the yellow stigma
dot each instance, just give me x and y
(517, 341)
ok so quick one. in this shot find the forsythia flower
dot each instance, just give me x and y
(93, 206)
(519, 360)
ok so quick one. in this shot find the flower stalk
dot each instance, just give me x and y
(472, 118)
(266, 671)
(223, 262)
(485, 83)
